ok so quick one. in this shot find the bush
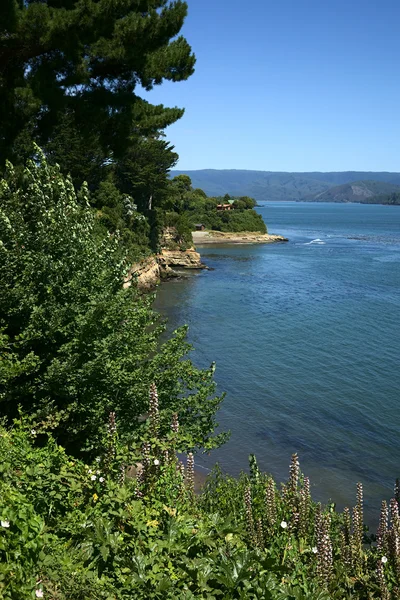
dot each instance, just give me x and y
(74, 342)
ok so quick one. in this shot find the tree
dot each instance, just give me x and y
(75, 343)
(80, 62)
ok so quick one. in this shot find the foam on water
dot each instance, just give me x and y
(317, 241)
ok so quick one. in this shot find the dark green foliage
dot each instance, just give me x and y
(85, 60)
(75, 344)
(198, 208)
(69, 77)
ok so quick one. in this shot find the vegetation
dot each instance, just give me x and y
(75, 343)
(71, 530)
(365, 192)
(275, 186)
(96, 405)
(70, 71)
(393, 199)
(192, 206)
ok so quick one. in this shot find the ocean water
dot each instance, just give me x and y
(306, 337)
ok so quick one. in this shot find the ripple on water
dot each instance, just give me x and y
(306, 337)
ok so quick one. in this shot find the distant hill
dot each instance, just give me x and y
(365, 192)
(273, 186)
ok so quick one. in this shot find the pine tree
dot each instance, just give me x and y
(82, 61)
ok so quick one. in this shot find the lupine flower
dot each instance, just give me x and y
(360, 507)
(324, 545)
(260, 534)
(283, 524)
(5, 524)
(397, 490)
(249, 514)
(154, 411)
(190, 472)
(121, 478)
(384, 592)
(175, 423)
(294, 473)
(270, 502)
(304, 507)
(381, 534)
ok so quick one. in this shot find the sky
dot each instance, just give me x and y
(289, 85)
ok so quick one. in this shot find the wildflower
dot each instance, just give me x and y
(294, 473)
(39, 593)
(5, 523)
(314, 549)
(95, 497)
(190, 473)
(98, 472)
(33, 431)
(270, 503)
(90, 471)
(98, 459)
(249, 514)
(101, 479)
(283, 524)
(156, 462)
(154, 411)
(175, 423)
(384, 559)
(93, 478)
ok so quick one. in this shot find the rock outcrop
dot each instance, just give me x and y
(180, 259)
(146, 273)
(150, 271)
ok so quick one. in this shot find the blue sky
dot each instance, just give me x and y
(289, 85)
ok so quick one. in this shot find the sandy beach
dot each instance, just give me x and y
(200, 238)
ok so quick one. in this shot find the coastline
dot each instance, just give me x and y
(201, 238)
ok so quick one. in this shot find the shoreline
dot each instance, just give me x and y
(201, 238)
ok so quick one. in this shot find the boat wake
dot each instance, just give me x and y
(317, 241)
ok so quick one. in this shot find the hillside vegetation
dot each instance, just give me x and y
(365, 192)
(276, 186)
(98, 406)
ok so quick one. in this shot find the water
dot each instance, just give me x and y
(306, 340)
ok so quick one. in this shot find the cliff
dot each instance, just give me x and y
(150, 271)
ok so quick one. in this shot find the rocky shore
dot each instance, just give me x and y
(200, 238)
(171, 262)
(150, 271)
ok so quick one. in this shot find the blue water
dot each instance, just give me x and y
(306, 337)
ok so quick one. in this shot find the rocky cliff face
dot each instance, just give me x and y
(150, 271)
(181, 259)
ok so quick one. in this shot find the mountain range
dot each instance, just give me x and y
(346, 186)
